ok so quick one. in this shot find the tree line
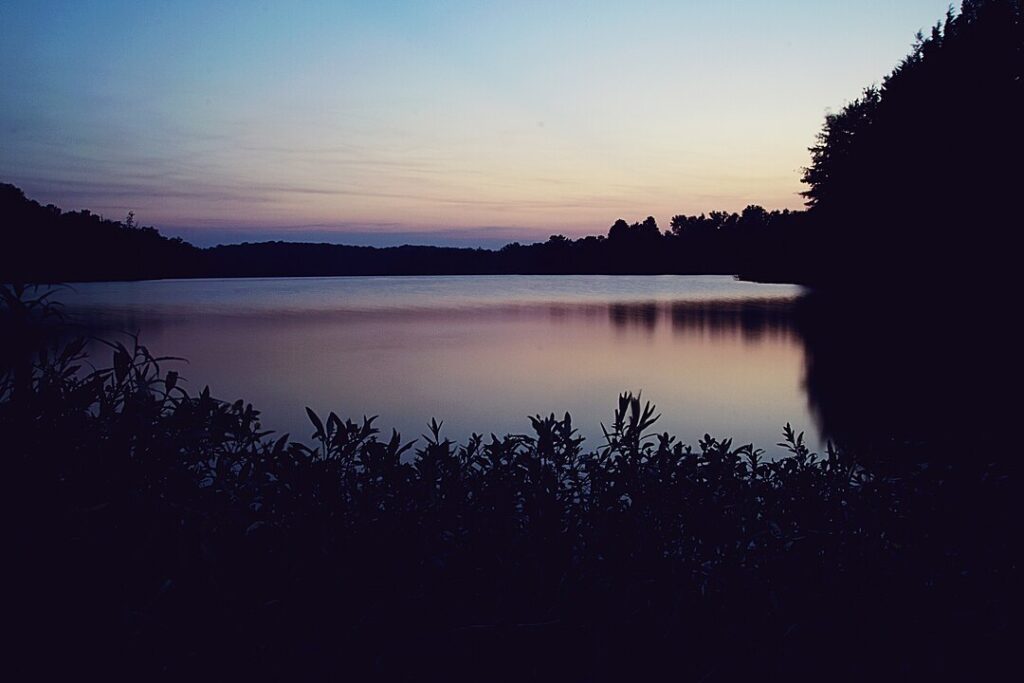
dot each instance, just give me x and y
(915, 180)
(47, 244)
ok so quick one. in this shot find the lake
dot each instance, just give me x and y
(482, 353)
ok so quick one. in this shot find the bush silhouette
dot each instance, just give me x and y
(165, 532)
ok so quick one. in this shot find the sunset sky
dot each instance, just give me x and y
(385, 122)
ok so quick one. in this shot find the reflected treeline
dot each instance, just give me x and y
(908, 374)
(750, 319)
(643, 316)
(877, 374)
(902, 375)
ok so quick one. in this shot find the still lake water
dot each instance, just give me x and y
(481, 353)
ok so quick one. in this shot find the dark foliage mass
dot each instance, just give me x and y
(49, 245)
(46, 244)
(164, 533)
(920, 177)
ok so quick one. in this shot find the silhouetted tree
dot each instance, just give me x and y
(619, 230)
(754, 217)
(919, 177)
(647, 229)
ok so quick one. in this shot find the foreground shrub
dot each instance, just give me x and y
(158, 532)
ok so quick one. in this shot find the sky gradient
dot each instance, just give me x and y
(467, 123)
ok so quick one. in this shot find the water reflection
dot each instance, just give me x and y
(644, 316)
(482, 353)
(750, 319)
(717, 356)
(898, 375)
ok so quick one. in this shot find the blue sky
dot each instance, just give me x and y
(447, 122)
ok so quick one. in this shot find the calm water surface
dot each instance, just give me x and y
(482, 353)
